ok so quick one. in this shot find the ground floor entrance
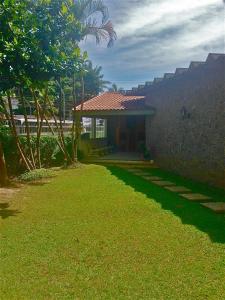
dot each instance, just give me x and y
(126, 133)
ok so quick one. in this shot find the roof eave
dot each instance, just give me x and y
(107, 113)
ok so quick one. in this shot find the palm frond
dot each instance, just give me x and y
(104, 32)
(86, 8)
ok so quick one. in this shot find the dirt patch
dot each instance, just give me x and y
(9, 193)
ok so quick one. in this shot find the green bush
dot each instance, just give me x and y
(37, 174)
(51, 154)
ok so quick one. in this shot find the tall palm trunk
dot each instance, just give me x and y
(3, 171)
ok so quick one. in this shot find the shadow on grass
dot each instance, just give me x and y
(188, 212)
(5, 212)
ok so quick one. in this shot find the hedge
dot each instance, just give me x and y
(51, 154)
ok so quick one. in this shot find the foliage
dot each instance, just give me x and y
(40, 45)
(4, 131)
(87, 12)
(144, 151)
(93, 79)
(115, 88)
(94, 84)
(39, 49)
(51, 154)
(36, 175)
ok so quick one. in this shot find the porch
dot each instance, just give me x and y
(117, 122)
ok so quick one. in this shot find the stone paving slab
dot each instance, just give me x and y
(178, 189)
(152, 178)
(141, 173)
(137, 171)
(163, 183)
(218, 207)
(195, 197)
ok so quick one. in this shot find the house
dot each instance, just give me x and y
(117, 120)
(180, 117)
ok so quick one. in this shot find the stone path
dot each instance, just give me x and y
(152, 178)
(178, 189)
(138, 172)
(163, 183)
(141, 173)
(132, 170)
(218, 207)
(195, 197)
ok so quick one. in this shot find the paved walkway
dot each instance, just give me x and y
(184, 192)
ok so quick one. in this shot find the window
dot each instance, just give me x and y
(97, 128)
(101, 128)
(87, 126)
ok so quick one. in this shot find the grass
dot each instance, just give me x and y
(102, 233)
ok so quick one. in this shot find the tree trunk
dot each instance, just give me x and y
(51, 129)
(68, 158)
(27, 128)
(78, 117)
(40, 125)
(74, 144)
(37, 107)
(63, 149)
(3, 171)
(22, 153)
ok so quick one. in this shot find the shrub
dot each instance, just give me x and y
(36, 175)
(51, 155)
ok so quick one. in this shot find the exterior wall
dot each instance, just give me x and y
(187, 134)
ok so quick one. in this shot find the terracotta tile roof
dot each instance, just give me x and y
(114, 101)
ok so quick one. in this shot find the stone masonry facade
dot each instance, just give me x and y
(187, 133)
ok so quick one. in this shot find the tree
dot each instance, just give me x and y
(101, 28)
(93, 79)
(115, 88)
(3, 171)
(39, 48)
(34, 49)
(94, 84)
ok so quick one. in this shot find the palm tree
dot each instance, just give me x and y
(94, 80)
(114, 88)
(85, 11)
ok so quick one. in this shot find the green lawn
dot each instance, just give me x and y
(102, 233)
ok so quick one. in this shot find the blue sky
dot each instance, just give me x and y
(157, 36)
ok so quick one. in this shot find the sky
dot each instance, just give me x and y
(157, 36)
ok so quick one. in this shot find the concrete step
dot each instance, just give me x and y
(119, 162)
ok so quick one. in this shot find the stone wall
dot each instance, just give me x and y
(187, 133)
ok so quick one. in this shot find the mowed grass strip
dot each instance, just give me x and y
(103, 233)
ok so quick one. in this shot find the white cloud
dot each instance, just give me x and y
(156, 14)
(156, 36)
